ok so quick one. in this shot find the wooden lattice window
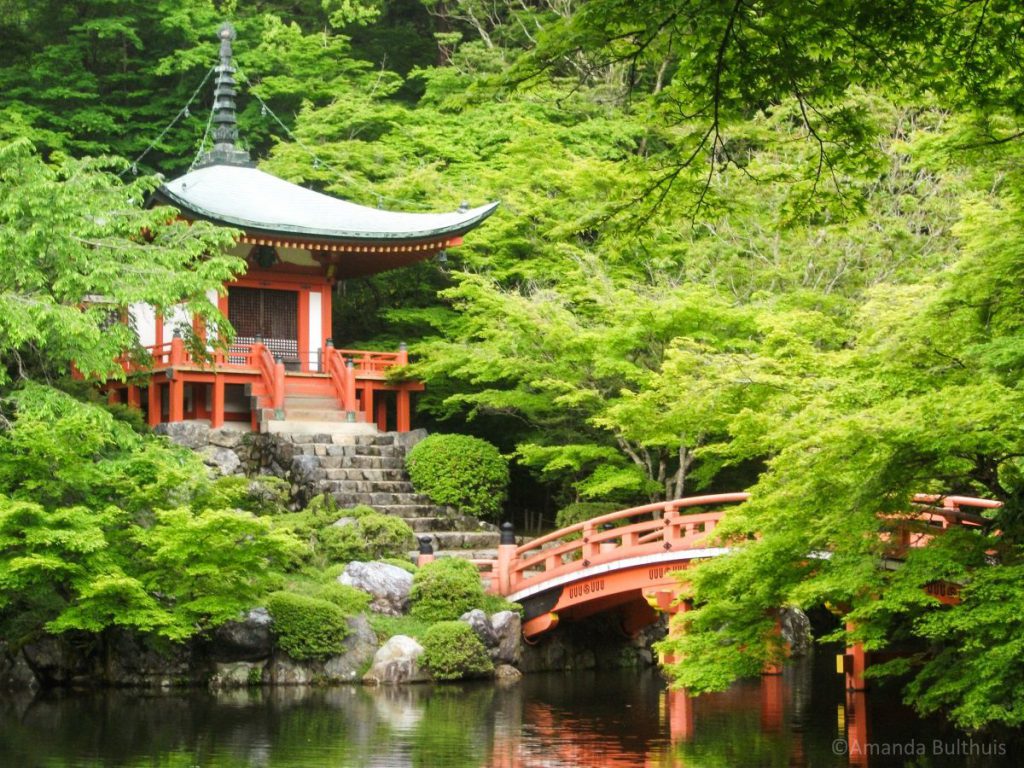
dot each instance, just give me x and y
(274, 315)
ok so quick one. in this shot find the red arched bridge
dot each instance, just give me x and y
(628, 561)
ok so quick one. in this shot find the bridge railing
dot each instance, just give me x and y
(608, 538)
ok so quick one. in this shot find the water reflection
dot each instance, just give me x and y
(554, 721)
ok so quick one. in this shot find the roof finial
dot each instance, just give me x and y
(225, 134)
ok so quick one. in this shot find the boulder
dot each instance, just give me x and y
(409, 439)
(223, 460)
(397, 661)
(134, 662)
(246, 640)
(360, 647)
(796, 630)
(55, 662)
(506, 673)
(236, 674)
(15, 673)
(388, 585)
(284, 670)
(226, 437)
(508, 632)
(481, 627)
(190, 434)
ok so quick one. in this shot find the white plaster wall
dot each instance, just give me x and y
(177, 317)
(315, 328)
(143, 318)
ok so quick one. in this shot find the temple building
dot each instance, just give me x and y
(282, 373)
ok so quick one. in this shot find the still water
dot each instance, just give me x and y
(621, 718)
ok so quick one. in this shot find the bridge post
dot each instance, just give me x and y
(426, 554)
(854, 664)
(506, 558)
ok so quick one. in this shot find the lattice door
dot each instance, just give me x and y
(274, 315)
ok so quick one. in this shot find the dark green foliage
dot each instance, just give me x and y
(351, 600)
(461, 471)
(307, 627)
(452, 651)
(581, 511)
(445, 589)
(370, 537)
(400, 562)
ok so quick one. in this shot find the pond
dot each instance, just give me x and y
(614, 718)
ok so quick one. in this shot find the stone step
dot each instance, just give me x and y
(448, 522)
(464, 539)
(333, 414)
(467, 554)
(292, 427)
(412, 511)
(383, 451)
(311, 401)
(346, 499)
(345, 485)
(376, 462)
(343, 471)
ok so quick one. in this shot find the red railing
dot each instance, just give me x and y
(272, 374)
(343, 377)
(606, 539)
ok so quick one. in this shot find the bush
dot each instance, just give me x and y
(582, 511)
(461, 471)
(371, 537)
(452, 651)
(400, 562)
(307, 627)
(445, 589)
(351, 600)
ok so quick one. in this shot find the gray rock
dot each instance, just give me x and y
(226, 437)
(304, 466)
(343, 522)
(508, 631)
(481, 626)
(796, 630)
(224, 460)
(360, 647)
(397, 661)
(284, 670)
(247, 640)
(236, 674)
(407, 440)
(135, 663)
(190, 434)
(54, 662)
(389, 585)
(15, 673)
(506, 673)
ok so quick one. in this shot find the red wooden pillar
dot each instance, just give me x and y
(382, 414)
(403, 417)
(368, 402)
(134, 396)
(176, 396)
(506, 560)
(772, 703)
(350, 386)
(304, 345)
(680, 715)
(113, 396)
(855, 662)
(155, 405)
(217, 403)
(857, 735)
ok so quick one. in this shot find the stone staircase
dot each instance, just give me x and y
(370, 469)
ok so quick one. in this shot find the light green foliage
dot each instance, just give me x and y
(452, 651)
(445, 589)
(370, 535)
(102, 527)
(460, 471)
(307, 627)
(389, 626)
(77, 246)
(582, 511)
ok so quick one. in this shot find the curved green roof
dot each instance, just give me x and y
(251, 199)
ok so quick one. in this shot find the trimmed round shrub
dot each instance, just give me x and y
(351, 600)
(452, 651)
(372, 536)
(445, 589)
(307, 627)
(581, 511)
(460, 471)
